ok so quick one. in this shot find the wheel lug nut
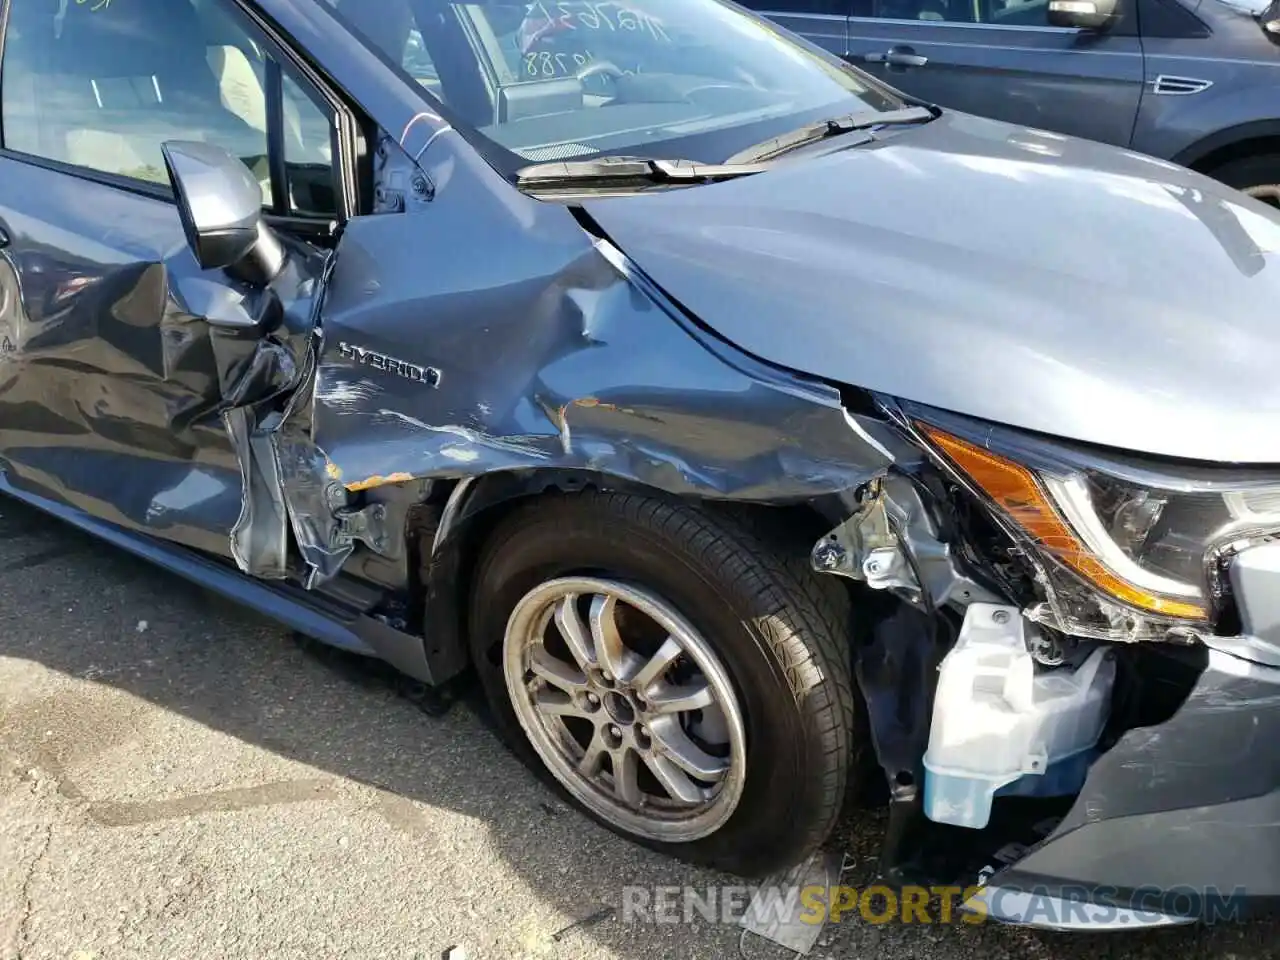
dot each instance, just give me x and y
(614, 731)
(592, 699)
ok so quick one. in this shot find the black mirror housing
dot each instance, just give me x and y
(221, 209)
(1269, 20)
(1083, 14)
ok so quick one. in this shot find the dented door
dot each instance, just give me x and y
(121, 362)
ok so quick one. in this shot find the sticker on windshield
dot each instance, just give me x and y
(547, 19)
(59, 18)
(547, 64)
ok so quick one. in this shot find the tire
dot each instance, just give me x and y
(1258, 176)
(783, 641)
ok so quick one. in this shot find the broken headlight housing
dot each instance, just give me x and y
(1123, 549)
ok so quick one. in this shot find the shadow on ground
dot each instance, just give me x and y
(226, 669)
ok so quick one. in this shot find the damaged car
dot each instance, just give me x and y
(757, 434)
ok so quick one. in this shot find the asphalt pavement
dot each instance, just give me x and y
(181, 778)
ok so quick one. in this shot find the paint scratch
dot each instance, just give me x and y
(507, 444)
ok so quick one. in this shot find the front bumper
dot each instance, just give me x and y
(1177, 822)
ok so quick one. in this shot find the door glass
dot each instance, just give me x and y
(308, 154)
(103, 85)
(1021, 13)
(391, 28)
(418, 64)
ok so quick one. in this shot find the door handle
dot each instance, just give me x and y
(897, 57)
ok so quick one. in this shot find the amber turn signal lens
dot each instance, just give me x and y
(1019, 495)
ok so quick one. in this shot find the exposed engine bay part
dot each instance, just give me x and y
(1252, 574)
(1050, 724)
(896, 669)
(1000, 720)
(1213, 710)
(892, 543)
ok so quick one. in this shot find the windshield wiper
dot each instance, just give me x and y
(621, 171)
(834, 127)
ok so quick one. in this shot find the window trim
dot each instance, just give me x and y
(1127, 5)
(344, 124)
(343, 129)
(1194, 27)
(968, 25)
(4, 36)
(277, 165)
(801, 15)
(855, 18)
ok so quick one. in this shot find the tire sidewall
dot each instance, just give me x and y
(1249, 172)
(780, 743)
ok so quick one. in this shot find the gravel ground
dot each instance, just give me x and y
(178, 778)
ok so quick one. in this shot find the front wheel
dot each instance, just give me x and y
(1258, 176)
(681, 679)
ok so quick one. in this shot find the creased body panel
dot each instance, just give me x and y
(547, 355)
(120, 358)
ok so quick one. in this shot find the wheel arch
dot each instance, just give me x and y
(448, 550)
(1246, 139)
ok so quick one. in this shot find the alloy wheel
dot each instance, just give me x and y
(628, 706)
(1268, 193)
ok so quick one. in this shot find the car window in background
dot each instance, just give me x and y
(576, 78)
(1017, 13)
(824, 8)
(104, 86)
(417, 62)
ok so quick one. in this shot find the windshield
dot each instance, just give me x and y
(695, 79)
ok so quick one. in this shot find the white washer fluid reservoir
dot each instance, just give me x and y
(997, 719)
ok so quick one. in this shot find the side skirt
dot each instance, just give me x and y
(313, 614)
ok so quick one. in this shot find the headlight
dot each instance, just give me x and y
(1124, 551)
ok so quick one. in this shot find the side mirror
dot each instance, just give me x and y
(1270, 21)
(1095, 15)
(221, 208)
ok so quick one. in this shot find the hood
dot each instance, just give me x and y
(1019, 276)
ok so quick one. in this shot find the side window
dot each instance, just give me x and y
(1017, 13)
(391, 28)
(418, 64)
(308, 154)
(102, 84)
(838, 8)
